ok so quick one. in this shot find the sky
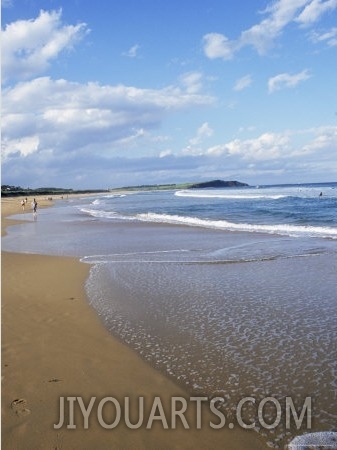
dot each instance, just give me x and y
(111, 93)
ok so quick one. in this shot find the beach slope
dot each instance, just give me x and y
(53, 345)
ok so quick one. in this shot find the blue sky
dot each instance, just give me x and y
(113, 93)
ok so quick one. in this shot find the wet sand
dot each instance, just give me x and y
(53, 345)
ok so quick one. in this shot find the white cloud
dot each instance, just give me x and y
(330, 37)
(165, 153)
(22, 146)
(314, 10)
(133, 51)
(99, 132)
(192, 82)
(285, 80)
(72, 117)
(262, 35)
(316, 144)
(204, 131)
(28, 46)
(217, 45)
(265, 147)
(304, 154)
(243, 83)
(325, 138)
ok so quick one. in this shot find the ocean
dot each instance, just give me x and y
(230, 292)
(285, 210)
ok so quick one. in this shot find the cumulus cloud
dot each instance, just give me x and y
(22, 146)
(325, 140)
(69, 116)
(285, 80)
(261, 36)
(56, 130)
(217, 45)
(28, 46)
(69, 129)
(271, 155)
(272, 147)
(265, 147)
(301, 154)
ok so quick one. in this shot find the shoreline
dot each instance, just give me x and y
(54, 345)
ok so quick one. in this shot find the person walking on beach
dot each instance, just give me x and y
(34, 205)
(23, 203)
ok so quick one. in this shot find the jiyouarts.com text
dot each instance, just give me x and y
(109, 412)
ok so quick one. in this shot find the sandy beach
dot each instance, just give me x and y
(54, 345)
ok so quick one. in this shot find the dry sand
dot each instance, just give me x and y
(53, 345)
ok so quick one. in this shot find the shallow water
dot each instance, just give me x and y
(246, 329)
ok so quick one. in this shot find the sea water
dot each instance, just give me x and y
(230, 292)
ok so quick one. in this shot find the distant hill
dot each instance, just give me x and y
(217, 184)
(173, 186)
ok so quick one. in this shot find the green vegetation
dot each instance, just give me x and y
(11, 191)
(153, 187)
(206, 184)
(218, 184)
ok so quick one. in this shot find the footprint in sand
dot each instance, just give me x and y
(19, 406)
(54, 380)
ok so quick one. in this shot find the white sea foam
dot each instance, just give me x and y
(324, 439)
(115, 195)
(113, 257)
(259, 194)
(100, 213)
(283, 229)
(209, 332)
(100, 200)
(227, 195)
